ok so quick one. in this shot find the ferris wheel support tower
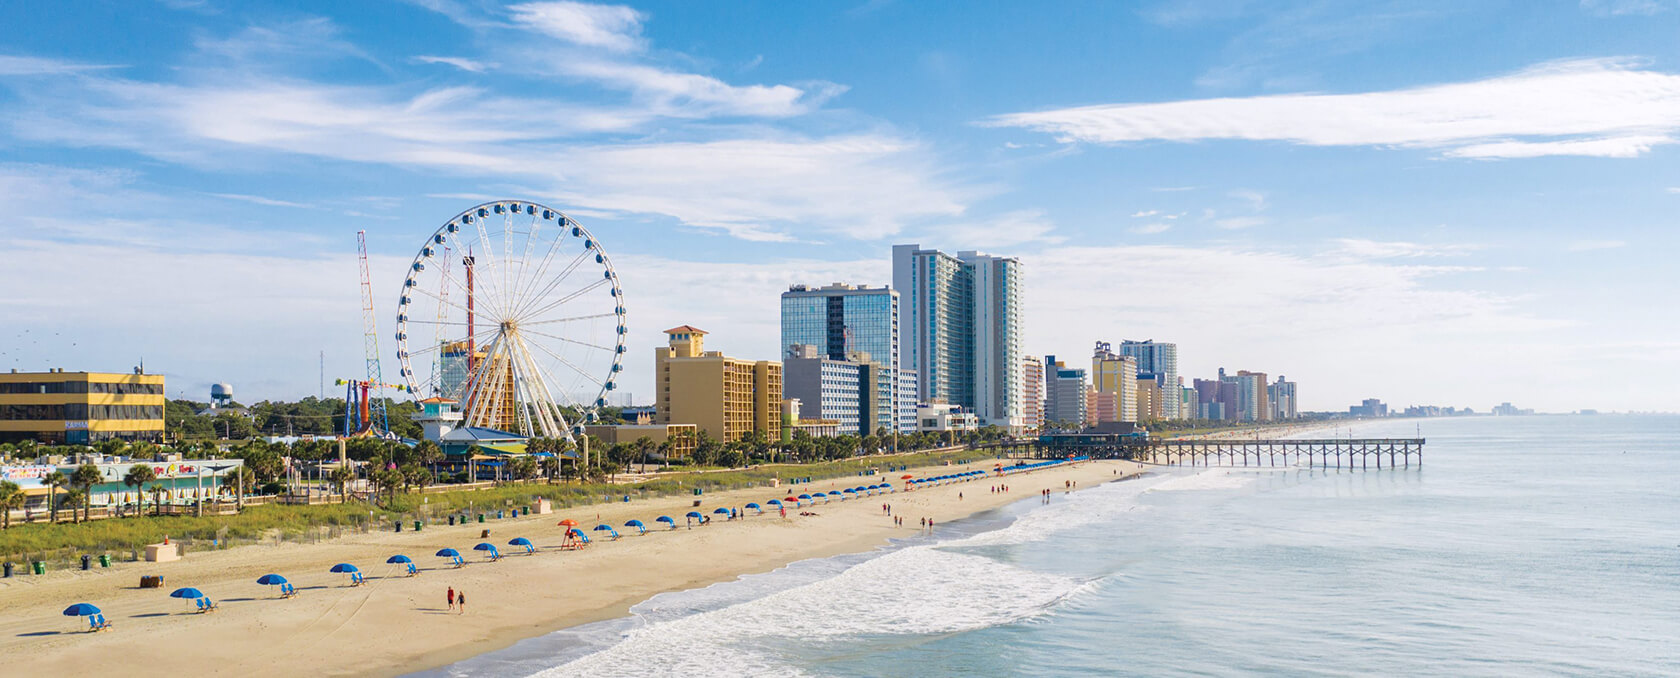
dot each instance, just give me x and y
(373, 395)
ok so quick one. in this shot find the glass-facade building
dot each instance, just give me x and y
(1160, 359)
(852, 323)
(962, 330)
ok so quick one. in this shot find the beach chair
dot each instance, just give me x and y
(98, 623)
(210, 605)
(93, 623)
(413, 571)
(201, 606)
(287, 591)
(356, 579)
(459, 563)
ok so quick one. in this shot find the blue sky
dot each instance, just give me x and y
(1427, 202)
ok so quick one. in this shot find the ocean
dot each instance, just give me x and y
(1543, 545)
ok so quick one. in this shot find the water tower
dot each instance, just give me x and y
(221, 395)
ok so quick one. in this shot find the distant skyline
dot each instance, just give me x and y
(1423, 202)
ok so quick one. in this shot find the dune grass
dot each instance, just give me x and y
(121, 537)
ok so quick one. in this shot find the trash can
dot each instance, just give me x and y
(416, 526)
(104, 560)
(451, 520)
(481, 517)
(527, 511)
(87, 562)
(39, 567)
(627, 499)
(8, 568)
(498, 515)
(399, 526)
(697, 492)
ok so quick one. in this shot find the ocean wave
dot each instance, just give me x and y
(1214, 479)
(920, 590)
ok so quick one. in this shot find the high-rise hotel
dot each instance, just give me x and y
(851, 324)
(962, 321)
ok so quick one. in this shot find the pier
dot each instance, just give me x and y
(1336, 453)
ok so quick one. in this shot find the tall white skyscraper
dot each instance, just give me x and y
(961, 319)
(1160, 359)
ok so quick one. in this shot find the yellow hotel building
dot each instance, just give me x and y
(80, 408)
(723, 396)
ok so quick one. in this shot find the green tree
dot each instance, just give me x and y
(84, 478)
(157, 499)
(53, 481)
(341, 478)
(523, 468)
(643, 445)
(137, 477)
(74, 497)
(11, 498)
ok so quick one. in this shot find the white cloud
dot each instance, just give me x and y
(612, 27)
(259, 200)
(1145, 213)
(1019, 227)
(1608, 107)
(468, 65)
(1149, 229)
(1234, 223)
(1675, 190)
(1627, 7)
(1256, 200)
(1590, 245)
(24, 66)
(1610, 147)
(1372, 249)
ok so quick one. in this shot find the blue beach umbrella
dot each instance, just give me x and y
(603, 527)
(693, 514)
(754, 506)
(484, 546)
(720, 509)
(804, 496)
(633, 523)
(342, 568)
(399, 559)
(81, 610)
(668, 520)
(448, 553)
(774, 502)
(271, 580)
(188, 592)
(519, 541)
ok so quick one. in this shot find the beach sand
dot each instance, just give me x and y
(398, 624)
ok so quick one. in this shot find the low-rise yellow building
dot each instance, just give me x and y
(683, 437)
(723, 396)
(80, 408)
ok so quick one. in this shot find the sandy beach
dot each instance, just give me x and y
(397, 624)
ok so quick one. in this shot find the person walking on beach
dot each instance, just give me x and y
(461, 602)
(451, 598)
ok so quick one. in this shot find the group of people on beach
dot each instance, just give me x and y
(457, 601)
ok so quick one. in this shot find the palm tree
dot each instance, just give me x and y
(643, 444)
(341, 478)
(53, 481)
(157, 501)
(138, 475)
(84, 478)
(11, 497)
(73, 497)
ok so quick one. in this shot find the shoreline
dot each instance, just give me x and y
(397, 625)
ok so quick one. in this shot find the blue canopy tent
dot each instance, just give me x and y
(640, 528)
(603, 527)
(754, 506)
(668, 520)
(521, 541)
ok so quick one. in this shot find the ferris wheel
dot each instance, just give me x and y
(514, 311)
